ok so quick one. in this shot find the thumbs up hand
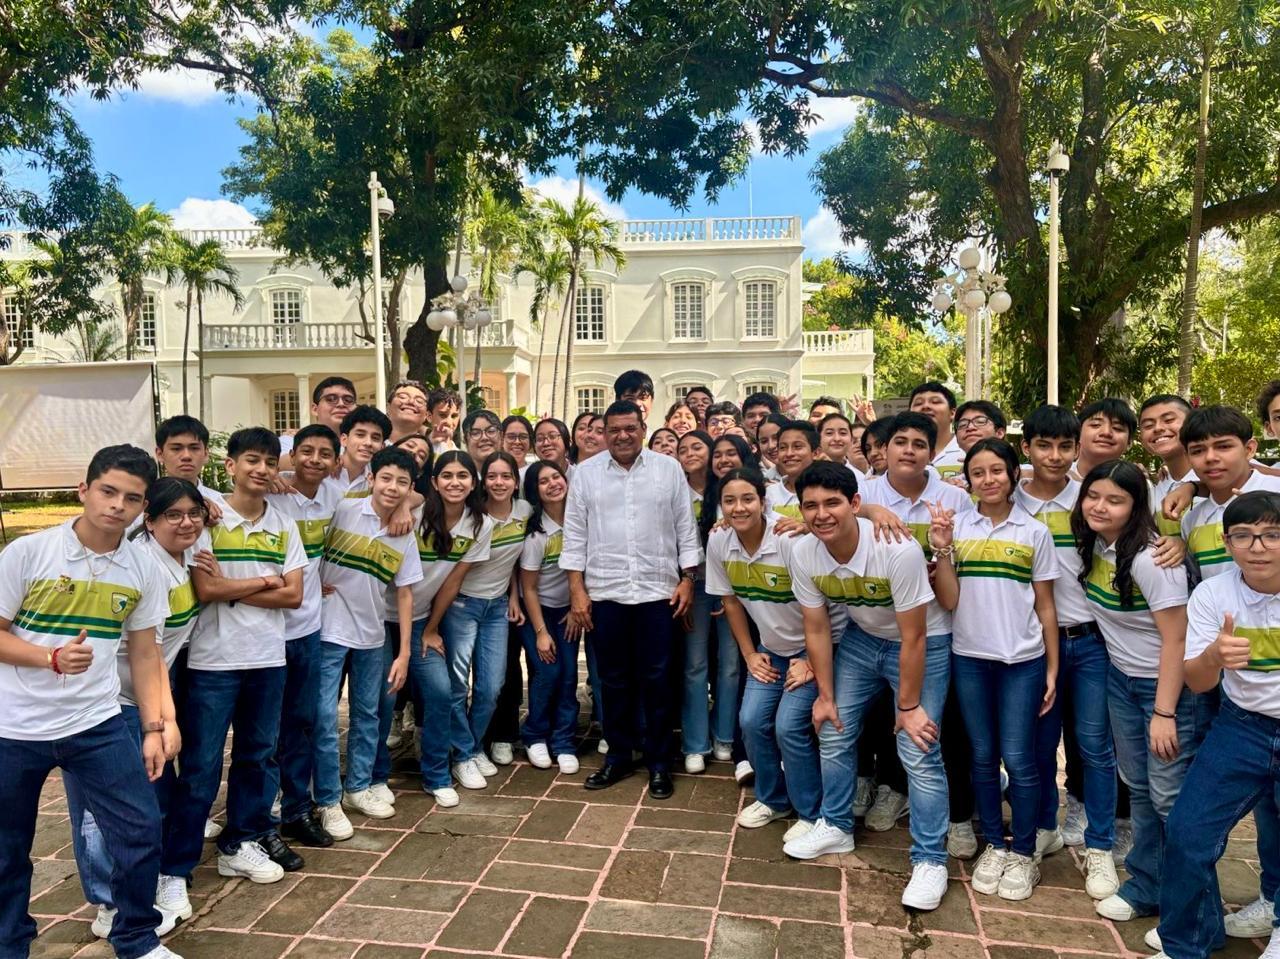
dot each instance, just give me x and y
(1231, 651)
(76, 656)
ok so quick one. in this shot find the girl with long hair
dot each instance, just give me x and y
(551, 441)
(680, 419)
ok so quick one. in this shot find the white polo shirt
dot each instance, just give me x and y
(468, 546)
(313, 516)
(492, 577)
(359, 487)
(183, 610)
(366, 566)
(1169, 527)
(996, 564)
(879, 581)
(1202, 527)
(541, 553)
(762, 583)
(1133, 641)
(778, 499)
(1257, 617)
(1068, 595)
(51, 587)
(237, 635)
(950, 460)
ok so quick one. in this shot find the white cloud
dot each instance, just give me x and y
(821, 235)
(831, 115)
(195, 213)
(565, 191)
(179, 85)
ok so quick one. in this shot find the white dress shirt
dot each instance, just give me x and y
(630, 531)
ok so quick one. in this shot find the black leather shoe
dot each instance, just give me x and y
(280, 853)
(660, 784)
(307, 831)
(609, 774)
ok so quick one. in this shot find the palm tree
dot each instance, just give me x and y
(96, 342)
(143, 237)
(492, 236)
(582, 230)
(203, 268)
(549, 266)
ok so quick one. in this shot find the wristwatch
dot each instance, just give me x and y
(156, 727)
(687, 574)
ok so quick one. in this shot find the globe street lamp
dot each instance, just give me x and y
(979, 295)
(457, 309)
(380, 208)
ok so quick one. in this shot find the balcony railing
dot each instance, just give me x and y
(838, 342)
(246, 238)
(327, 336)
(712, 229)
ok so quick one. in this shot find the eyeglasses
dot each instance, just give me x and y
(1242, 539)
(174, 517)
(338, 399)
(516, 437)
(490, 432)
(409, 400)
(725, 421)
(977, 422)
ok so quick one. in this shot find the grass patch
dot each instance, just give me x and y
(23, 518)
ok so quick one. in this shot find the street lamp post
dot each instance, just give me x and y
(456, 308)
(380, 208)
(979, 295)
(1058, 164)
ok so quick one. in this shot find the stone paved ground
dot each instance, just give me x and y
(537, 866)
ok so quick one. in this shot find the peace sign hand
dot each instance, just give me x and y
(942, 524)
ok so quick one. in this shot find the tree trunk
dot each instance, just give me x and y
(1187, 324)
(186, 350)
(575, 262)
(396, 348)
(542, 345)
(200, 338)
(132, 299)
(565, 313)
(419, 339)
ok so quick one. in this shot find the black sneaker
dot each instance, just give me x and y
(280, 853)
(307, 831)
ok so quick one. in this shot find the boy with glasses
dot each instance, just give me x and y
(482, 432)
(332, 399)
(407, 409)
(723, 418)
(978, 420)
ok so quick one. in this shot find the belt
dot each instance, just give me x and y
(1076, 632)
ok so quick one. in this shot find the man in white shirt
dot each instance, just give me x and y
(631, 551)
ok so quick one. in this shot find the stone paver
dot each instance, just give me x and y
(536, 866)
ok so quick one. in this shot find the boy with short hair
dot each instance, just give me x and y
(636, 386)
(1160, 421)
(977, 420)
(823, 406)
(182, 449)
(68, 596)
(406, 409)
(482, 434)
(311, 505)
(755, 408)
(363, 432)
(698, 398)
(444, 409)
(797, 443)
(1233, 621)
(1107, 428)
(364, 566)
(332, 399)
(723, 418)
(939, 404)
(235, 676)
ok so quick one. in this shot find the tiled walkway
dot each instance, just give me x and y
(537, 866)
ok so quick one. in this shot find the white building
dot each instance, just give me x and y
(714, 301)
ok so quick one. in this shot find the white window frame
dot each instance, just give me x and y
(684, 288)
(587, 292)
(750, 293)
(760, 386)
(491, 398)
(594, 390)
(285, 325)
(12, 320)
(285, 411)
(149, 326)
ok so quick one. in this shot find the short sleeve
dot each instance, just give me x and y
(202, 545)
(153, 607)
(909, 577)
(295, 557)
(410, 571)
(1161, 588)
(802, 587)
(717, 579)
(14, 570)
(1204, 619)
(479, 550)
(533, 552)
(1044, 560)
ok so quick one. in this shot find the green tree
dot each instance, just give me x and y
(548, 264)
(141, 240)
(96, 341)
(204, 269)
(493, 235)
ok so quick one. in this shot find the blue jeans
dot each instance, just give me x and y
(777, 726)
(1266, 817)
(863, 666)
(1001, 701)
(295, 748)
(475, 636)
(1082, 696)
(1153, 784)
(433, 690)
(695, 731)
(366, 682)
(106, 762)
(1237, 765)
(247, 701)
(553, 687)
(387, 707)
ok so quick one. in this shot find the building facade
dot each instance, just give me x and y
(715, 301)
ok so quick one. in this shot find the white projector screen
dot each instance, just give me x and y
(54, 417)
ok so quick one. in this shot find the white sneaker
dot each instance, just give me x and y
(1073, 822)
(252, 862)
(743, 772)
(602, 747)
(383, 791)
(212, 830)
(171, 898)
(1124, 840)
(989, 869)
(1021, 875)
(484, 765)
(796, 830)
(1049, 841)
(888, 808)
(568, 763)
(445, 796)
(538, 755)
(335, 822)
(927, 886)
(468, 775)
(1273, 947)
(758, 814)
(694, 763)
(961, 841)
(863, 796)
(1100, 879)
(367, 804)
(1115, 908)
(160, 952)
(102, 922)
(823, 838)
(1152, 939)
(1253, 921)
(502, 753)
(723, 752)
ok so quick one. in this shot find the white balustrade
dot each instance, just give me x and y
(285, 336)
(838, 341)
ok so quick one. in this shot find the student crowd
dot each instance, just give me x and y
(868, 617)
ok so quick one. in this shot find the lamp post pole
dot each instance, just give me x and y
(1058, 164)
(375, 229)
(979, 295)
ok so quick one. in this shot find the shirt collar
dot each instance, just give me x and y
(862, 552)
(1065, 500)
(932, 480)
(950, 450)
(768, 545)
(639, 461)
(1252, 598)
(73, 549)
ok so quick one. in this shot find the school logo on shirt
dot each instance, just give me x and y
(64, 585)
(119, 602)
(63, 607)
(313, 532)
(239, 545)
(768, 584)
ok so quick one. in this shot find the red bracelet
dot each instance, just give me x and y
(54, 660)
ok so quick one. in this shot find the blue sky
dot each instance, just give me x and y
(169, 141)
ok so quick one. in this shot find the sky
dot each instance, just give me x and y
(168, 142)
